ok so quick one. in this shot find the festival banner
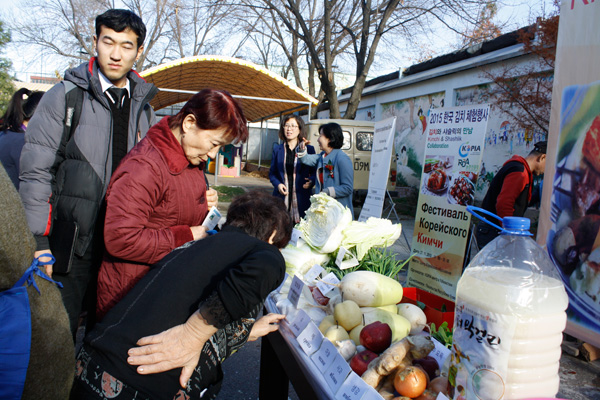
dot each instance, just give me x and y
(381, 154)
(570, 213)
(455, 140)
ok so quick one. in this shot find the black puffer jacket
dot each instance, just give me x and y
(82, 177)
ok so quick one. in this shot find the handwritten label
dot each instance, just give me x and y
(301, 319)
(370, 394)
(323, 357)
(439, 352)
(345, 264)
(353, 388)
(336, 374)
(313, 273)
(310, 339)
(296, 234)
(295, 290)
(328, 283)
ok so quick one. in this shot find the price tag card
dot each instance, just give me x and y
(310, 339)
(301, 319)
(441, 396)
(324, 356)
(439, 352)
(328, 283)
(296, 234)
(348, 263)
(353, 388)
(295, 290)
(337, 372)
(370, 394)
(313, 273)
(285, 278)
(340, 256)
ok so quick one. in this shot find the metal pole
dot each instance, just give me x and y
(260, 143)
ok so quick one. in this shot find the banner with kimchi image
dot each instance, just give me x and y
(570, 213)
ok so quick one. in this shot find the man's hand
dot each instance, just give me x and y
(265, 325)
(212, 198)
(48, 267)
(282, 189)
(178, 347)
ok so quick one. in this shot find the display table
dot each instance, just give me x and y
(283, 360)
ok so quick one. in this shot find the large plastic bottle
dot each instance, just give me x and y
(509, 318)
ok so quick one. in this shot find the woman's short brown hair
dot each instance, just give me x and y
(259, 214)
(301, 126)
(214, 109)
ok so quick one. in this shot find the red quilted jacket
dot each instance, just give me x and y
(154, 196)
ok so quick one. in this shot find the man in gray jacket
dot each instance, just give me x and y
(64, 186)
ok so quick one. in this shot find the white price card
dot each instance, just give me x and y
(324, 356)
(301, 319)
(296, 234)
(310, 338)
(295, 290)
(313, 273)
(441, 396)
(345, 264)
(370, 394)
(328, 283)
(337, 372)
(439, 352)
(353, 388)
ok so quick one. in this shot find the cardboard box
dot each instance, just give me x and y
(433, 305)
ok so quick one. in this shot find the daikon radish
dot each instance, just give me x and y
(400, 326)
(370, 289)
(393, 308)
(414, 315)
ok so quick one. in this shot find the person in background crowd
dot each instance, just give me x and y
(509, 193)
(203, 298)
(292, 180)
(335, 175)
(68, 184)
(156, 200)
(14, 123)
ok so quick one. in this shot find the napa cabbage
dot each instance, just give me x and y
(374, 232)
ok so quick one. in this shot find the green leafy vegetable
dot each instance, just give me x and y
(443, 334)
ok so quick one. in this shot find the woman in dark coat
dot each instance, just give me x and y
(190, 312)
(292, 181)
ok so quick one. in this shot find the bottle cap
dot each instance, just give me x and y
(515, 224)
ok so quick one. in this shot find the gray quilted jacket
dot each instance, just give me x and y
(73, 188)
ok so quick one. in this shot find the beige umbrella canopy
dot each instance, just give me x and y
(262, 93)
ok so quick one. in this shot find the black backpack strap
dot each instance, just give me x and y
(73, 105)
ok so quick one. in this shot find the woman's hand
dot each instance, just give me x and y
(198, 232)
(265, 325)
(282, 189)
(308, 184)
(302, 145)
(212, 198)
(178, 347)
(48, 268)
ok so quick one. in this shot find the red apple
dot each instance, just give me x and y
(377, 336)
(360, 362)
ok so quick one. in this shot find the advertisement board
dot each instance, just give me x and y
(453, 151)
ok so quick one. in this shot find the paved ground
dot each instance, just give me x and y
(580, 380)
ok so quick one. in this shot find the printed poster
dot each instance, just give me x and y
(381, 154)
(453, 150)
(570, 213)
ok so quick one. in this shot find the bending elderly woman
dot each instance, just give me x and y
(190, 311)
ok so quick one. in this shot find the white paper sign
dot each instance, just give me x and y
(296, 234)
(381, 156)
(301, 319)
(439, 352)
(328, 283)
(324, 357)
(310, 338)
(370, 394)
(313, 273)
(295, 290)
(441, 396)
(336, 374)
(353, 388)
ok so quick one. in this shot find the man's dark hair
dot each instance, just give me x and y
(539, 148)
(334, 133)
(120, 20)
(259, 214)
